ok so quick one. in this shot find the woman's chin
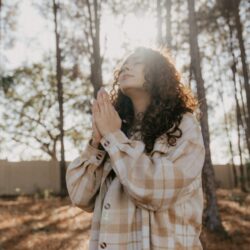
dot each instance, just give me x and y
(126, 87)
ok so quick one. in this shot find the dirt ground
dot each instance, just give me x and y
(35, 223)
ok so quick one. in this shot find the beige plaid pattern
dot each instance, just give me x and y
(155, 200)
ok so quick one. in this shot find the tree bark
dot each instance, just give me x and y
(60, 99)
(238, 110)
(230, 10)
(226, 120)
(235, 176)
(168, 5)
(95, 54)
(212, 220)
(244, 65)
(159, 23)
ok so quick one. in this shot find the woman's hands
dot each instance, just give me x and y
(105, 118)
(96, 136)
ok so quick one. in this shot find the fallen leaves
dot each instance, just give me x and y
(31, 223)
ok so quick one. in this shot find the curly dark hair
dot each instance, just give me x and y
(170, 98)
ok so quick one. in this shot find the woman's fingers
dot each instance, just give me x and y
(106, 103)
(95, 106)
(103, 102)
(95, 113)
(102, 98)
(100, 102)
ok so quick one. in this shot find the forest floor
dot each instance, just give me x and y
(52, 223)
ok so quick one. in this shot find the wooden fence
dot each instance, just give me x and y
(29, 177)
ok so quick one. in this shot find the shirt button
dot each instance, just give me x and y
(103, 245)
(99, 156)
(107, 206)
(106, 143)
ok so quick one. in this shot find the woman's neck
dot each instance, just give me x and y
(138, 118)
(140, 101)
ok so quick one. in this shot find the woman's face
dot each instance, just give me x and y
(132, 73)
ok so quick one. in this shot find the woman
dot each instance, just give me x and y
(140, 173)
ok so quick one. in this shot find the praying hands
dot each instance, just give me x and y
(105, 118)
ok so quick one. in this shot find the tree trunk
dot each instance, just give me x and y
(239, 122)
(168, 5)
(212, 219)
(235, 176)
(226, 121)
(96, 59)
(244, 65)
(0, 25)
(242, 175)
(159, 23)
(60, 100)
(238, 111)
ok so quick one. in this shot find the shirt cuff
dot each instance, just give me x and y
(95, 155)
(114, 138)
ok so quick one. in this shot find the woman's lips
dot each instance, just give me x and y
(126, 76)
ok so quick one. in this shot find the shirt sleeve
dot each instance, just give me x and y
(158, 180)
(83, 177)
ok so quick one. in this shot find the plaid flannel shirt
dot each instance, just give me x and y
(155, 200)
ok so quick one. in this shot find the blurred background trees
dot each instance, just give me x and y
(45, 99)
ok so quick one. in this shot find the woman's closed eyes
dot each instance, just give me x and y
(135, 63)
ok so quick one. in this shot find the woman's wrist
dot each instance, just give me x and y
(94, 143)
